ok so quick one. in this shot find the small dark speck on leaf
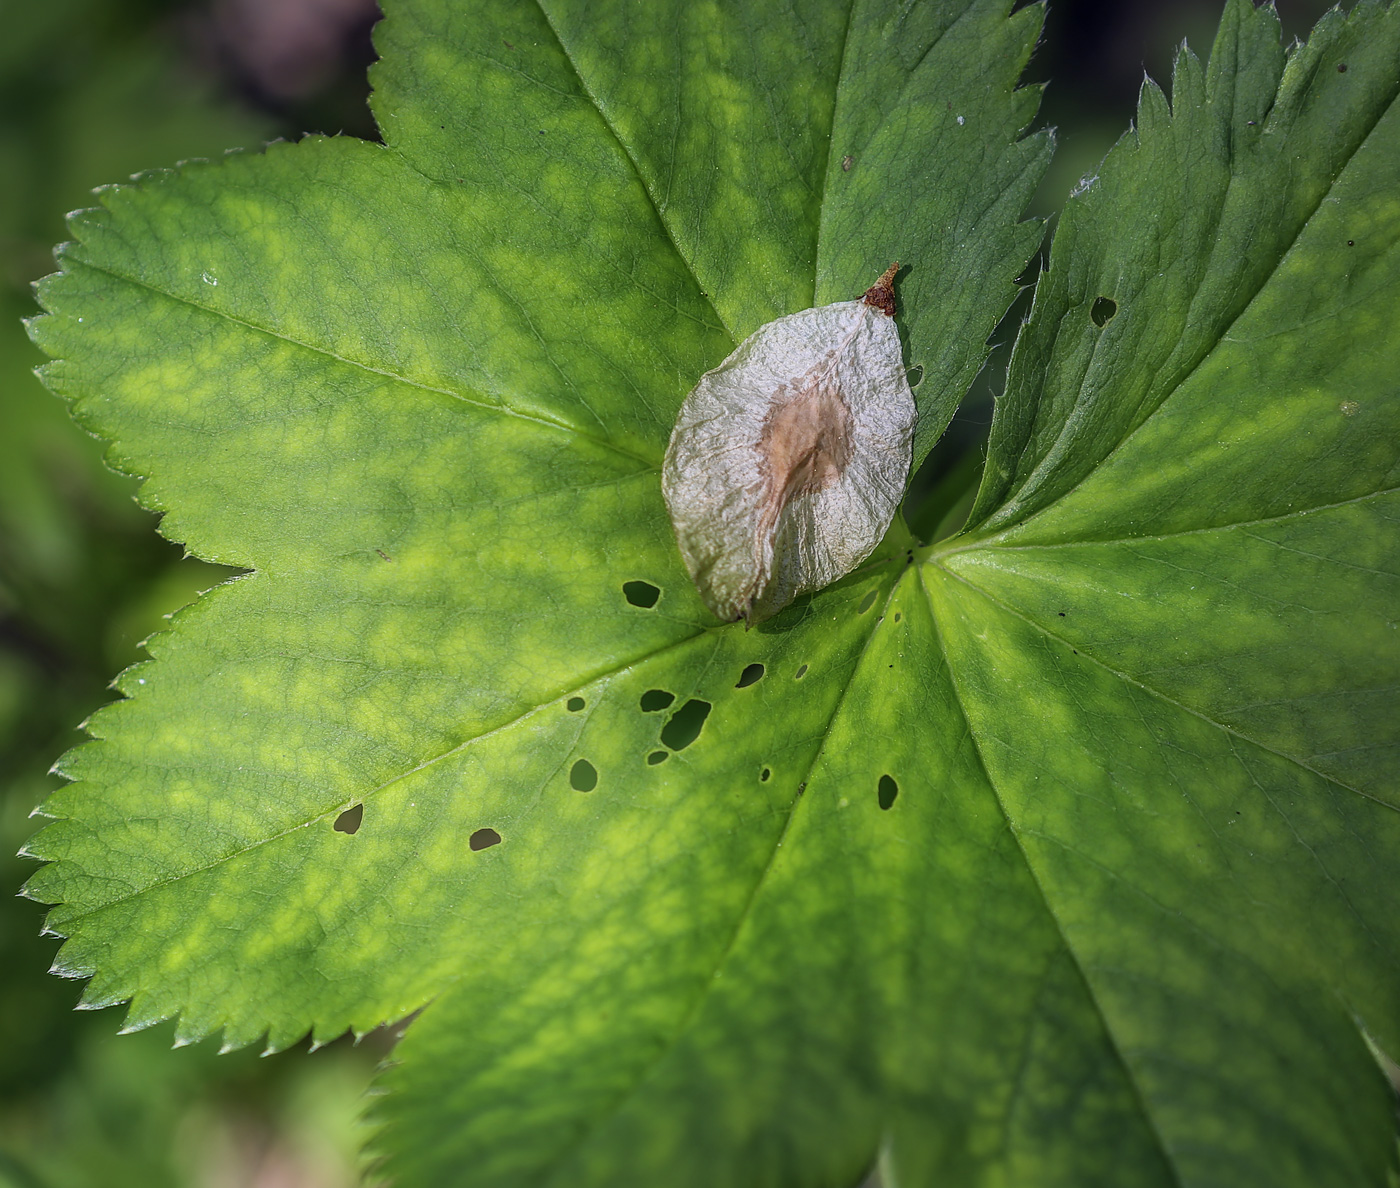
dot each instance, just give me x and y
(764, 774)
(658, 757)
(846, 163)
(507, 44)
(888, 790)
(1351, 243)
(385, 556)
(800, 673)
(349, 820)
(1341, 67)
(642, 594)
(1251, 123)
(750, 676)
(483, 838)
(574, 704)
(1062, 614)
(897, 616)
(583, 776)
(801, 788)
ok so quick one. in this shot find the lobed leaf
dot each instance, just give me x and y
(1060, 853)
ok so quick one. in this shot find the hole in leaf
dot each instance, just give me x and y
(750, 676)
(642, 594)
(763, 775)
(658, 757)
(897, 616)
(574, 704)
(867, 602)
(583, 776)
(1102, 311)
(349, 820)
(800, 673)
(685, 724)
(888, 791)
(483, 838)
(654, 700)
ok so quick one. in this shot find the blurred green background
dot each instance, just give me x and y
(91, 91)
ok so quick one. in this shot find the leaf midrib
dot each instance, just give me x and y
(661, 220)
(702, 997)
(1138, 1095)
(60, 920)
(1158, 694)
(999, 540)
(480, 402)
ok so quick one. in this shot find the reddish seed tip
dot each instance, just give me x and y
(881, 293)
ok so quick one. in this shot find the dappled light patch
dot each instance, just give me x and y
(685, 724)
(483, 839)
(583, 776)
(642, 594)
(349, 821)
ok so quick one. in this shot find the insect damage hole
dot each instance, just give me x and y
(349, 821)
(887, 791)
(483, 839)
(867, 602)
(583, 776)
(1102, 311)
(800, 673)
(655, 700)
(574, 704)
(657, 757)
(750, 676)
(764, 775)
(685, 724)
(642, 594)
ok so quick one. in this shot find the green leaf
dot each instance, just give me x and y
(1059, 853)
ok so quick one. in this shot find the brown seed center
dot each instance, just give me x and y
(805, 445)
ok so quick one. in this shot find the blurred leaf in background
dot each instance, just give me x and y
(90, 91)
